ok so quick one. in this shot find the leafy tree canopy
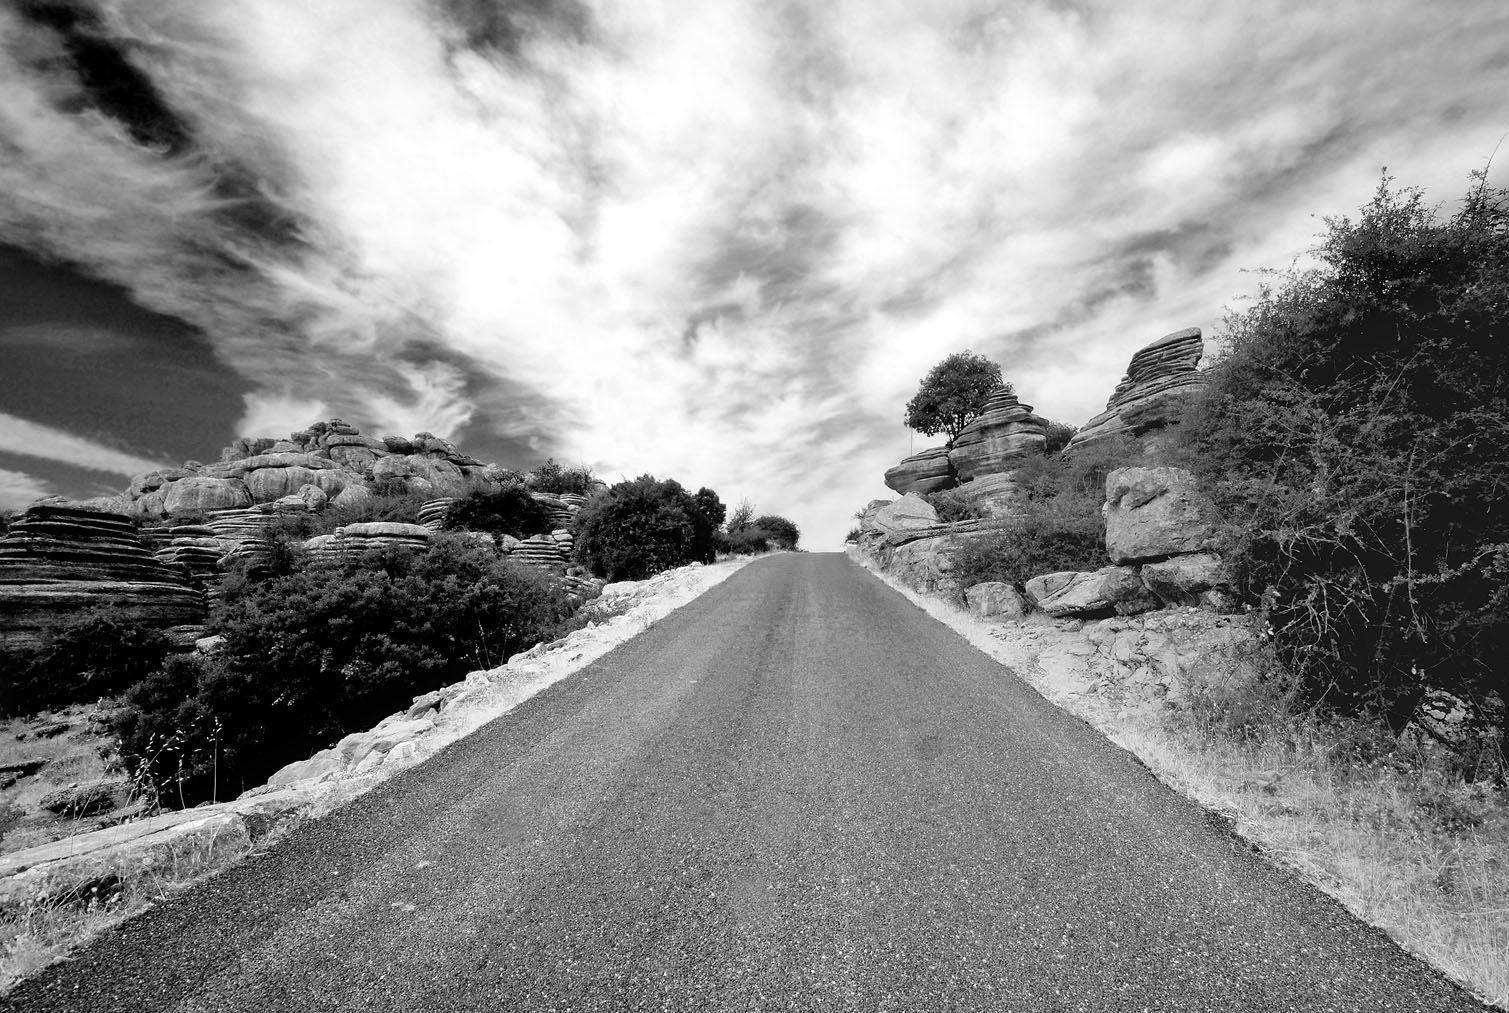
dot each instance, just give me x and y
(953, 394)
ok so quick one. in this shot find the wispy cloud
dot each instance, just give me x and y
(29, 439)
(17, 489)
(723, 239)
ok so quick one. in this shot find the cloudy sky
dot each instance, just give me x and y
(718, 240)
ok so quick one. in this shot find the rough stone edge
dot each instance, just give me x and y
(229, 830)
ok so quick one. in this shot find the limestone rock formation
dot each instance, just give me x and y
(434, 513)
(1154, 513)
(355, 539)
(1159, 381)
(1006, 429)
(192, 548)
(924, 472)
(58, 559)
(329, 459)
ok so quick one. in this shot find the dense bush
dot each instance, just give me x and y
(508, 511)
(330, 649)
(1356, 430)
(783, 534)
(551, 477)
(638, 528)
(96, 653)
(1018, 550)
(954, 505)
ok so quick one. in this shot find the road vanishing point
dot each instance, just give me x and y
(798, 792)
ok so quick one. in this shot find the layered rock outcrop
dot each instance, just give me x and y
(1151, 396)
(1005, 430)
(59, 559)
(328, 462)
(925, 472)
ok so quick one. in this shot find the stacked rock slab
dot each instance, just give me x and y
(57, 560)
(544, 551)
(356, 539)
(193, 548)
(925, 472)
(1159, 381)
(436, 512)
(1004, 431)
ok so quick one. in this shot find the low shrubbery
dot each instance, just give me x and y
(328, 649)
(1060, 527)
(96, 653)
(638, 528)
(553, 478)
(507, 511)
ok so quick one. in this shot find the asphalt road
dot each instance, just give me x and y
(797, 793)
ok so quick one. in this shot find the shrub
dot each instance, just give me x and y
(1354, 428)
(1057, 437)
(1061, 527)
(954, 505)
(853, 535)
(638, 528)
(744, 541)
(97, 653)
(1018, 550)
(331, 649)
(782, 533)
(551, 477)
(509, 511)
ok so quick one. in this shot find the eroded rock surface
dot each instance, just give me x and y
(1151, 396)
(1154, 513)
(59, 559)
(1007, 429)
(924, 472)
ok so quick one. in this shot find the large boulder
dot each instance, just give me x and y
(1005, 430)
(1159, 381)
(1069, 593)
(925, 472)
(199, 493)
(420, 473)
(1154, 513)
(1098, 593)
(909, 513)
(268, 485)
(1186, 580)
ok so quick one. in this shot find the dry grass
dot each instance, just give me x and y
(1404, 845)
(44, 930)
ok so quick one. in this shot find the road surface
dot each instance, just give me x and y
(796, 793)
